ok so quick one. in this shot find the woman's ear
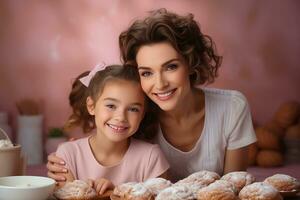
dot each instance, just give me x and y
(90, 105)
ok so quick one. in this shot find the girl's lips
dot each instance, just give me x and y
(163, 96)
(118, 129)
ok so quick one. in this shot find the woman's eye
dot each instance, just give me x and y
(145, 74)
(172, 66)
(110, 106)
(134, 109)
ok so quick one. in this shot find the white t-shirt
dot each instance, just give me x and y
(227, 125)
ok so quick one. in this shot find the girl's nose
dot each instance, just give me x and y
(121, 116)
(161, 82)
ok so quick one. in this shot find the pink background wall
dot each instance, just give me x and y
(45, 44)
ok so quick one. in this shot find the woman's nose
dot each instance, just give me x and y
(161, 82)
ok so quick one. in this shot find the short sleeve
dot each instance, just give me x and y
(240, 128)
(65, 152)
(157, 163)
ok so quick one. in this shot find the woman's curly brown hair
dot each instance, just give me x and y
(183, 33)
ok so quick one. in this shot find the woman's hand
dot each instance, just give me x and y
(56, 168)
(101, 185)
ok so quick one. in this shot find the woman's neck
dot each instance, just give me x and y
(183, 129)
(193, 103)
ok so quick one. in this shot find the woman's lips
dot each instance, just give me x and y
(163, 96)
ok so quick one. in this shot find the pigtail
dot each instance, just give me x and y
(77, 100)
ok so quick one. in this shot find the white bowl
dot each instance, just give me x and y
(26, 187)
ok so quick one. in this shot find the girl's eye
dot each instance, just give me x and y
(172, 66)
(134, 109)
(110, 106)
(145, 73)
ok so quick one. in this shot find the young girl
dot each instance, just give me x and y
(199, 128)
(111, 156)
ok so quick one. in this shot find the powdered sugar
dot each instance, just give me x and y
(120, 190)
(75, 189)
(220, 185)
(283, 182)
(281, 177)
(259, 190)
(138, 190)
(193, 187)
(239, 179)
(177, 192)
(157, 184)
(204, 177)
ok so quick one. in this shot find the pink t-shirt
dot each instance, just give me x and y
(141, 161)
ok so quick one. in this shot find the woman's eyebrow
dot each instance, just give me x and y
(165, 63)
(169, 61)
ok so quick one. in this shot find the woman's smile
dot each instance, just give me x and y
(163, 96)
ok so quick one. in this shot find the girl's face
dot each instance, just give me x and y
(119, 109)
(164, 75)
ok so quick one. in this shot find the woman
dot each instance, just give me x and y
(199, 128)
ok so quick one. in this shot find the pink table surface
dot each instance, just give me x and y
(258, 172)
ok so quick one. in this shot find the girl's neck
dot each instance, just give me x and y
(106, 152)
(193, 104)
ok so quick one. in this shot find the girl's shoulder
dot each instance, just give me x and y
(144, 149)
(142, 145)
(75, 144)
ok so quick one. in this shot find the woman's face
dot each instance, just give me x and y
(164, 75)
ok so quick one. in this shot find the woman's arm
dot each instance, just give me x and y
(56, 168)
(236, 160)
(68, 178)
(165, 175)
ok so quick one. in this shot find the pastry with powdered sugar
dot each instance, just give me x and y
(156, 185)
(218, 190)
(283, 183)
(239, 179)
(176, 192)
(76, 190)
(132, 191)
(259, 190)
(202, 177)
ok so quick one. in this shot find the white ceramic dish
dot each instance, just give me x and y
(26, 187)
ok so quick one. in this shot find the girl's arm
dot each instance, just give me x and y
(68, 178)
(236, 160)
(101, 185)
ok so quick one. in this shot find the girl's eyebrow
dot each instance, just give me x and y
(110, 99)
(118, 101)
(164, 64)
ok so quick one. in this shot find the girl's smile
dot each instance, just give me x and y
(118, 128)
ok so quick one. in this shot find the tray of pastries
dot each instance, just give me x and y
(202, 185)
